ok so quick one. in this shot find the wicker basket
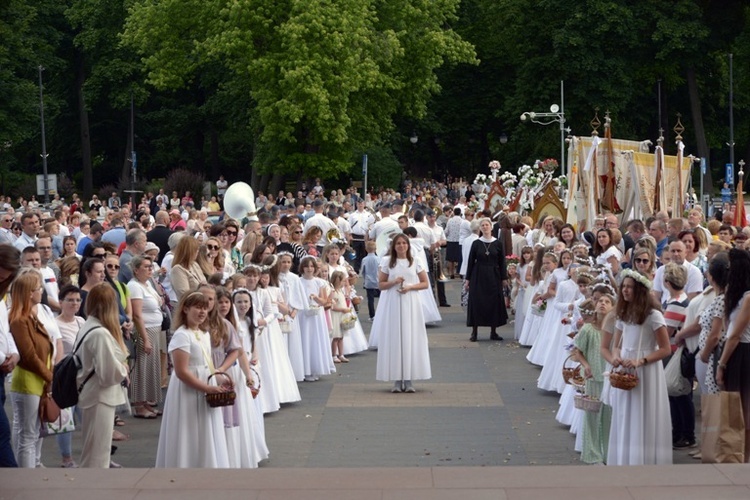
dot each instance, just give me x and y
(313, 310)
(624, 378)
(255, 388)
(348, 321)
(572, 372)
(585, 403)
(356, 300)
(220, 399)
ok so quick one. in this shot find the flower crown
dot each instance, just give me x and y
(605, 287)
(551, 254)
(284, 252)
(587, 311)
(636, 276)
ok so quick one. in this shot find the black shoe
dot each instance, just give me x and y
(473, 337)
(445, 305)
(495, 336)
(683, 444)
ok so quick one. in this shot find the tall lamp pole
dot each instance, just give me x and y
(44, 140)
(556, 115)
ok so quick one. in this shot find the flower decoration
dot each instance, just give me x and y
(480, 179)
(512, 259)
(636, 276)
(549, 165)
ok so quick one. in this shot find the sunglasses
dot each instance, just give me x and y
(641, 261)
(213, 247)
(99, 255)
(7, 220)
(298, 232)
(113, 266)
(232, 233)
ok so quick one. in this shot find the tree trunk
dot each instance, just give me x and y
(83, 116)
(700, 130)
(277, 184)
(215, 167)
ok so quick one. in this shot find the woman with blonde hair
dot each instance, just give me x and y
(644, 261)
(186, 274)
(103, 358)
(33, 374)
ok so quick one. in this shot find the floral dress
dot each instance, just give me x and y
(715, 310)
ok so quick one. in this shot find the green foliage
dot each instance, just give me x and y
(182, 180)
(323, 77)
(383, 168)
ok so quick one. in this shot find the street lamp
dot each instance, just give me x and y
(504, 138)
(556, 115)
(414, 138)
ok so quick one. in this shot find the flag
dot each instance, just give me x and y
(740, 220)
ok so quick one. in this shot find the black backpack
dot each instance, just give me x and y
(65, 390)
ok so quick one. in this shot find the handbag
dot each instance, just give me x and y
(722, 428)
(677, 383)
(687, 363)
(48, 409)
(66, 423)
(166, 321)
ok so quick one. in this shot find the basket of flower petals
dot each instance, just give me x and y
(571, 372)
(588, 403)
(623, 378)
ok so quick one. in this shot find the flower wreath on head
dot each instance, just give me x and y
(587, 312)
(636, 276)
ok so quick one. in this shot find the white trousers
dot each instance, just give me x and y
(98, 423)
(26, 425)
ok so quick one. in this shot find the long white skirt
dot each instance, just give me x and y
(355, 340)
(294, 349)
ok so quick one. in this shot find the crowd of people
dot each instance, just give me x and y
(618, 305)
(172, 294)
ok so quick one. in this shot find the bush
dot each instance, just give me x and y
(181, 180)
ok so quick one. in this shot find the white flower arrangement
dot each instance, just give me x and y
(480, 179)
(636, 276)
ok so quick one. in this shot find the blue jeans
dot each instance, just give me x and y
(7, 459)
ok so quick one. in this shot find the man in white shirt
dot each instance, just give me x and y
(360, 222)
(50, 274)
(221, 186)
(30, 227)
(694, 284)
(6, 235)
(321, 221)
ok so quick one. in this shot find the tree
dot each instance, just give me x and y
(324, 79)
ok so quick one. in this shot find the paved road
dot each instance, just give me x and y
(481, 408)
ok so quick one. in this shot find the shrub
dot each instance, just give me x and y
(181, 180)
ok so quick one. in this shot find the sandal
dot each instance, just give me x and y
(336, 359)
(144, 413)
(119, 422)
(119, 436)
(343, 359)
(155, 411)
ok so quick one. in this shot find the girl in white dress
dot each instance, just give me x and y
(568, 294)
(545, 292)
(264, 315)
(524, 267)
(537, 285)
(253, 433)
(316, 348)
(403, 353)
(354, 340)
(545, 341)
(606, 252)
(294, 300)
(284, 381)
(641, 432)
(192, 433)
(225, 349)
(339, 308)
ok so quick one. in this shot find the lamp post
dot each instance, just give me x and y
(44, 140)
(556, 115)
